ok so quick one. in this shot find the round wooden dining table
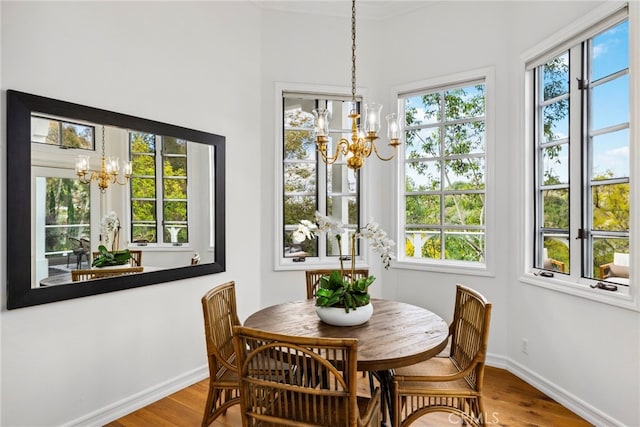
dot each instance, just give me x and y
(398, 334)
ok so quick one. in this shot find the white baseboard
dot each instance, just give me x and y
(126, 406)
(560, 395)
(139, 400)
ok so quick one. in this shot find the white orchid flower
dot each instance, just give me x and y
(304, 231)
(377, 237)
(329, 225)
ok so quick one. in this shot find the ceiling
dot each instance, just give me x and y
(366, 9)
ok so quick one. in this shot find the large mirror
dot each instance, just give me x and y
(99, 201)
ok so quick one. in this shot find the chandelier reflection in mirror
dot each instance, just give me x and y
(108, 173)
(363, 137)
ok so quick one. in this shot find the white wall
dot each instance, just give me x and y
(191, 64)
(72, 359)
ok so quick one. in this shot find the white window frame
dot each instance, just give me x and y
(159, 177)
(287, 263)
(487, 267)
(625, 297)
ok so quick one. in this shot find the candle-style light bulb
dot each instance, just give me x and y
(372, 117)
(82, 164)
(321, 126)
(127, 169)
(393, 126)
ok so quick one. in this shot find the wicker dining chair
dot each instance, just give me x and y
(324, 393)
(97, 273)
(79, 249)
(313, 278)
(220, 316)
(450, 384)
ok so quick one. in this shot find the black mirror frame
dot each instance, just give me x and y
(19, 293)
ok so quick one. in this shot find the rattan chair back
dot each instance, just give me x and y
(313, 278)
(220, 316)
(97, 273)
(293, 380)
(470, 333)
(452, 384)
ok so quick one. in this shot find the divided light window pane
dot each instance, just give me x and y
(444, 176)
(159, 182)
(46, 130)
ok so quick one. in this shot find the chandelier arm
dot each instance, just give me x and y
(341, 148)
(82, 177)
(117, 181)
(385, 159)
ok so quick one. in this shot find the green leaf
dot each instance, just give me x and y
(334, 290)
(323, 292)
(363, 283)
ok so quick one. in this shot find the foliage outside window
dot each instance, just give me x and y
(62, 133)
(159, 202)
(443, 195)
(309, 185)
(582, 155)
(67, 215)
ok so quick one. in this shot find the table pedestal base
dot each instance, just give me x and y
(384, 378)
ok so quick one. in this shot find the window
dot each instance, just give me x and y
(308, 184)
(443, 193)
(65, 134)
(67, 212)
(159, 203)
(581, 174)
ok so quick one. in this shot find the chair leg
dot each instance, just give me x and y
(218, 401)
(213, 399)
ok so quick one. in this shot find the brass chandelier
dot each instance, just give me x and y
(108, 173)
(363, 138)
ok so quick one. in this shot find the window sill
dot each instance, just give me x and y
(622, 298)
(451, 267)
(288, 264)
(154, 247)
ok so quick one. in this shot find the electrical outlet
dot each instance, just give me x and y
(525, 346)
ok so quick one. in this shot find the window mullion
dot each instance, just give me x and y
(578, 198)
(321, 191)
(159, 194)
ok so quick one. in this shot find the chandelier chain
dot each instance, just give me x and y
(103, 142)
(353, 51)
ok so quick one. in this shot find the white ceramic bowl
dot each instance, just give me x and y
(336, 316)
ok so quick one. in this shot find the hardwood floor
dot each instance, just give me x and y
(509, 401)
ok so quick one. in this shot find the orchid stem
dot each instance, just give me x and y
(339, 238)
(353, 257)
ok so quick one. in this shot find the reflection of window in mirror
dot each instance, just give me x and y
(65, 134)
(159, 190)
(62, 223)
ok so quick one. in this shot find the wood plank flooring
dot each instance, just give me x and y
(509, 401)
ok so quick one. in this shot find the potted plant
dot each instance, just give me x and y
(337, 290)
(108, 258)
